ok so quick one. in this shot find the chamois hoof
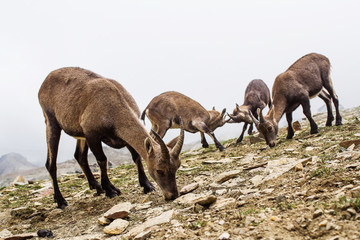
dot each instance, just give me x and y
(338, 123)
(62, 204)
(99, 192)
(112, 194)
(205, 145)
(289, 136)
(221, 148)
(239, 140)
(314, 131)
(149, 188)
(328, 124)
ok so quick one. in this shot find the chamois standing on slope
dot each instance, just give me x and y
(164, 110)
(94, 109)
(257, 95)
(306, 78)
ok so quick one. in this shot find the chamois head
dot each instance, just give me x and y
(217, 119)
(166, 162)
(267, 126)
(240, 114)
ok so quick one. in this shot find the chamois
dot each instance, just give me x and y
(306, 78)
(164, 110)
(94, 109)
(257, 95)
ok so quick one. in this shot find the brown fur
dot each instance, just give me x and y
(165, 109)
(306, 78)
(94, 109)
(257, 95)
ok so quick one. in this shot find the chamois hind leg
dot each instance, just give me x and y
(143, 180)
(203, 140)
(96, 148)
(307, 112)
(327, 99)
(329, 87)
(250, 130)
(81, 157)
(251, 125)
(53, 132)
(203, 128)
(242, 133)
(290, 128)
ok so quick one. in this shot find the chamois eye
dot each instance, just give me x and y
(160, 172)
(269, 128)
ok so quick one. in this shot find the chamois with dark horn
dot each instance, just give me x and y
(97, 110)
(165, 109)
(306, 78)
(257, 95)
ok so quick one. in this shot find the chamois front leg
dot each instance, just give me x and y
(53, 132)
(203, 140)
(203, 128)
(242, 133)
(95, 146)
(143, 180)
(290, 128)
(81, 157)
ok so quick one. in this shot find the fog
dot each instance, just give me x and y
(207, 50)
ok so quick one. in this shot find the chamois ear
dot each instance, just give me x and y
(148, 146)
(213, 108)
(237, 106)
(223, 112)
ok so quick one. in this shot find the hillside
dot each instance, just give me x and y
(304, 188)
(14, 162)
(115, 158)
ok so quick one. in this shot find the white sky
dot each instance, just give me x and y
(208, 50)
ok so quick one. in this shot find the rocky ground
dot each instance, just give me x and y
(304, 188)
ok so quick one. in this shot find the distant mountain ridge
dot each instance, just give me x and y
(14, 162)
(115, 157)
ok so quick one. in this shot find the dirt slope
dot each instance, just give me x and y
(304, 188)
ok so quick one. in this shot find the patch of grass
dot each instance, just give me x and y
(286, 205)
(197, 224)
(343, 201)
(227, 141)
(248, 211)
(322, 172)
(127, 166)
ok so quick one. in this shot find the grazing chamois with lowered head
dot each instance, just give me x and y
(164, 110)
(306, 78)
(98, 110)
(257, 95)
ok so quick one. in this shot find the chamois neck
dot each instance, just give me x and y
(135, 136)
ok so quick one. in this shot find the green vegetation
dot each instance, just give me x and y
(197, 224)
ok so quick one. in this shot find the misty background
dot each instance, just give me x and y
(207, 50)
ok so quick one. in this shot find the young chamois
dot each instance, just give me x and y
(306, 78)
(257, 95)
(94, 109)
(164, 110)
